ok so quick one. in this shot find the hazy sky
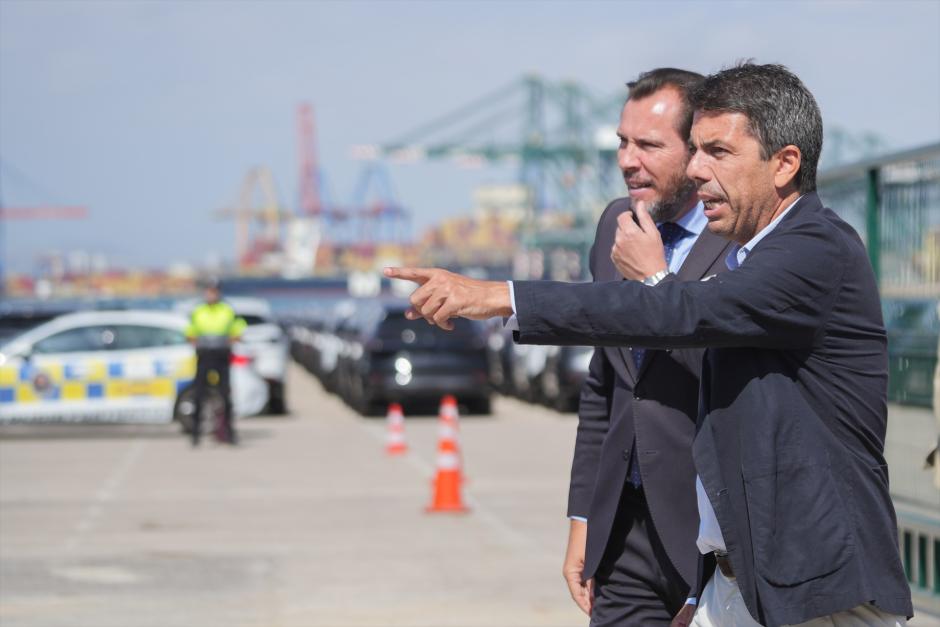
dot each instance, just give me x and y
(150, 113)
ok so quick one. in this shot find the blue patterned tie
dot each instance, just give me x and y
(672, 234)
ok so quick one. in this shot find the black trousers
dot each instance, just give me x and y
(208, 361)
(636, 583)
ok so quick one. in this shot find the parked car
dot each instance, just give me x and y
(560, 382)
(263, 340)
(15, 321)
(913, 327)
(328, 343)
(111, 366)
(387, 358)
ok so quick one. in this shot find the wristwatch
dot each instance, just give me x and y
(655, 278)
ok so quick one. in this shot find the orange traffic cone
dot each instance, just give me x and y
(395, 441)
(449, 477)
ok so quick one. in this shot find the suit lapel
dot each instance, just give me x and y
(705, 252)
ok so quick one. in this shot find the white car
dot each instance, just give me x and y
(112, 366)
(263, 340)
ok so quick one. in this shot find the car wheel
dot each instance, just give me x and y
(277, 403)
(185, 409)
(483, 406)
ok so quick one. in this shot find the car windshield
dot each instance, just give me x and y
(130, 337)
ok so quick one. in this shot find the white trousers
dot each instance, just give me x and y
(721, 605)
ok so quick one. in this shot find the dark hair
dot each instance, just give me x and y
(683, 81)
(780, 111)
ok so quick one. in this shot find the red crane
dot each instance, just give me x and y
(310, 203)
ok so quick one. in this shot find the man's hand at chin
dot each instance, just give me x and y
(638, 247)
(442, 295)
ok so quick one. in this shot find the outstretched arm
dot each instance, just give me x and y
(442, 295)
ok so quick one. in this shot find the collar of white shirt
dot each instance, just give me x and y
(739, 253)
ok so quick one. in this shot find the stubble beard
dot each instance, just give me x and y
(669, 207)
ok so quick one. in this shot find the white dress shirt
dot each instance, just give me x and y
(709, 533)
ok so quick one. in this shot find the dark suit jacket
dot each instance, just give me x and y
(664, 425)
(793, 412)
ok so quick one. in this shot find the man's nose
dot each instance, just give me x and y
(695, 170)
(627, 159)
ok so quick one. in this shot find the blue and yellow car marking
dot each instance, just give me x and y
(93, 380)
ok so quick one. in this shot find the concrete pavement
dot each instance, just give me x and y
(308, 523)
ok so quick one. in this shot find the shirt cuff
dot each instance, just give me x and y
(578, 518)
(512, 324)
(691, 601)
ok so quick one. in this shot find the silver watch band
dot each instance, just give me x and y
(656, 278)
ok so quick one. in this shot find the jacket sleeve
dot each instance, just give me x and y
(593, 421)
(777, 299)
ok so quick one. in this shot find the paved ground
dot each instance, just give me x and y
(307, 524)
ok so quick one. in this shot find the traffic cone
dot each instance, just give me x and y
(449, 477)
(395, 441)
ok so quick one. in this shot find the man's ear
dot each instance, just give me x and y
(786, 163)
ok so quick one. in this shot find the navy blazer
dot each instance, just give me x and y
(609, 418)
(791, 429)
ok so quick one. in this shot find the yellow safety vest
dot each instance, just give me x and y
(214, 323)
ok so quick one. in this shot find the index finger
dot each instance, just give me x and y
(418, 275)
(625, 221)
(644, 218)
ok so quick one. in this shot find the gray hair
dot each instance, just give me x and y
(779, 108)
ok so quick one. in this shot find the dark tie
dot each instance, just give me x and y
(672, 234)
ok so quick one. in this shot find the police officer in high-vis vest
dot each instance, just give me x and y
(213, 328)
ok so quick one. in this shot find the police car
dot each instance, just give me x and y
(111, 366)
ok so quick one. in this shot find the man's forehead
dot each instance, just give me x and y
(718, 123)
(659, 109)
(661, 102)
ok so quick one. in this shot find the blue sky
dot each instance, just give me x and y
(150, 113)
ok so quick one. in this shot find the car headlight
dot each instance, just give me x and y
(403, 366)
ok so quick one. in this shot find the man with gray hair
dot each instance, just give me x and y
(792, 482)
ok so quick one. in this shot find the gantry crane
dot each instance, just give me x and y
(560, 135)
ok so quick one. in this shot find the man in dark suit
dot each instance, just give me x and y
(631, 556)
(792, 483)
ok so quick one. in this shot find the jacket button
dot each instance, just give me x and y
(626, 454)
(637, 397)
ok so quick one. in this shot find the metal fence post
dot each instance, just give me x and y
(873, 220)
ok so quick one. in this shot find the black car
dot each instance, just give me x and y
(387, 358)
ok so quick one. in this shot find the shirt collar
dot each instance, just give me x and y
(739, 253)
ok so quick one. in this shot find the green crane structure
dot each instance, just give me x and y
(559, 135)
